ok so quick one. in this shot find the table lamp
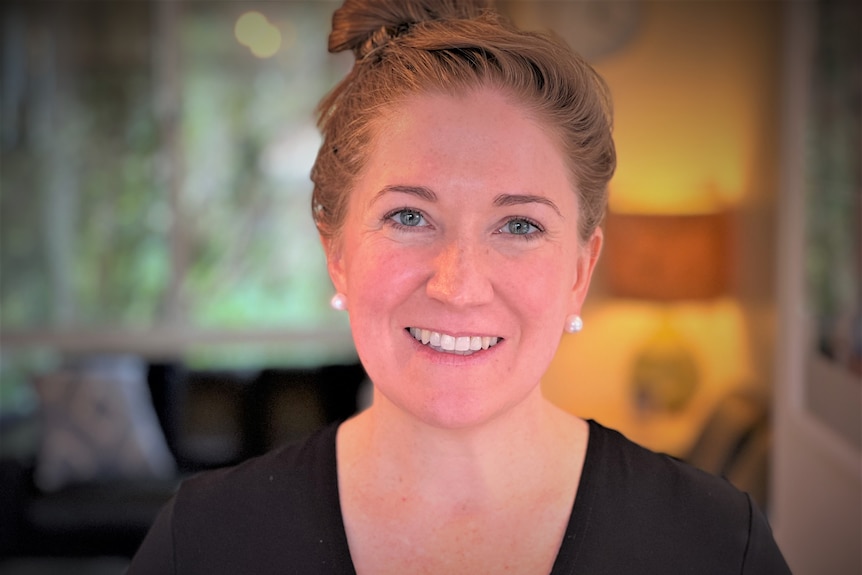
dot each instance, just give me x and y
(666, 259)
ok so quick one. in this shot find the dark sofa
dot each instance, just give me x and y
(209, 419)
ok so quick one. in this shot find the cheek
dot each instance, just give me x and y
(380, 276)
(538, 285)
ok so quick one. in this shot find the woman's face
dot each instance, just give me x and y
(460, 257)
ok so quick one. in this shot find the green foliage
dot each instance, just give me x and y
(93, 233)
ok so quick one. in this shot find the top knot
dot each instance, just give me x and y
(365, 25)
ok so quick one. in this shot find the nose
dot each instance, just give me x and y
(460, 275)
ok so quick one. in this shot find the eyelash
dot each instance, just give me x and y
(389, 219)
(528, 236)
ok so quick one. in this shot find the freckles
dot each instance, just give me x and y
(535, 284)
(384, 273)
(524, 289)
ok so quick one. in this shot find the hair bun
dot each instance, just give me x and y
(363, 25)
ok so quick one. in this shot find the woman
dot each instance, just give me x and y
(458, 194)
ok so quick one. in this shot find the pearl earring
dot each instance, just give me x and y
(574, 323)
(338, 302)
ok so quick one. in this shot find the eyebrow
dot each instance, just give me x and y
(517, 199)
(419, 191)
(500, 201)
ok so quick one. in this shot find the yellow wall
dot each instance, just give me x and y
(695, 95)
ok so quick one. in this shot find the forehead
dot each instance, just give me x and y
(481, 136)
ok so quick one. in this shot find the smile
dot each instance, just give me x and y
(463, 345)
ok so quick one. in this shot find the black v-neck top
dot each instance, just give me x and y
(635, 512)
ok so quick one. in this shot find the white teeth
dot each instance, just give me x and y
(463, 345)
(447, 342)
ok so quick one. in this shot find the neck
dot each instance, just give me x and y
(489, 462)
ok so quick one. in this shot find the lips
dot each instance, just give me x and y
(443, 342)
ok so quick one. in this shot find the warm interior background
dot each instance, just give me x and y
(695, 91)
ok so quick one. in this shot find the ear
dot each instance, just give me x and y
(587, 259)
(335, 263)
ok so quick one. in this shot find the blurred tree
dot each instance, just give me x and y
(155, 171)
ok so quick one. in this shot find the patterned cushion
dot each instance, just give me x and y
(99, 424)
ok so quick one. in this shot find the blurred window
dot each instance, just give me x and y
(154, 191)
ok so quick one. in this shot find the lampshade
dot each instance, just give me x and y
(667, 257)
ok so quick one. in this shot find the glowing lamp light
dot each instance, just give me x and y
(667, 259)
(254, 31)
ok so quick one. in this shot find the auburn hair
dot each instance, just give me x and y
(409, 47)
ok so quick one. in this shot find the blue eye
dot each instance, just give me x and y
(407, 218)
(520, 227)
